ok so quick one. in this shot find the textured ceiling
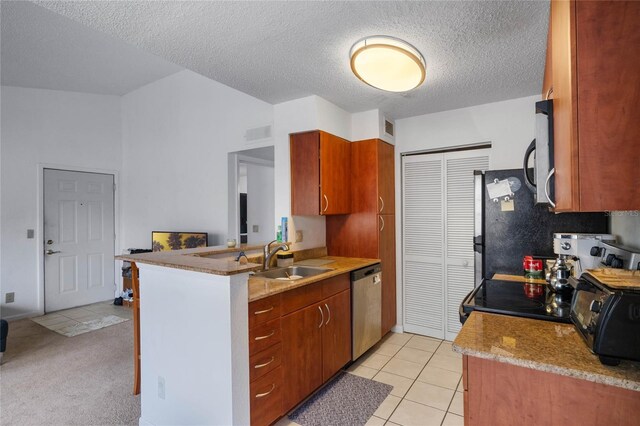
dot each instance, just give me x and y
(476, 52)
(42, 49)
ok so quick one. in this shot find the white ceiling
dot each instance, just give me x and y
(476, 51)
(45, 50)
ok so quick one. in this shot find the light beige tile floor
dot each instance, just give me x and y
(74, 316)
(426, 376)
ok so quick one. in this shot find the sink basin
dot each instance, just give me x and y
(295, 272)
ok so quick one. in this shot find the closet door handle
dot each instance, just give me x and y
(328, 313)
(327, 201)
(381, 223)
(321, 316)
(381, 204)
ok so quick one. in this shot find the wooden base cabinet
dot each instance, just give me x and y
(298, 340)
(496, 393)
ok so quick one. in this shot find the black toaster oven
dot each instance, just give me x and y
(608, 319)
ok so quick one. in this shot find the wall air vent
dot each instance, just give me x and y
(257, 133)
(388, 127)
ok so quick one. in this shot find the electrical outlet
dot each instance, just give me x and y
(256, 228)
(30, 233)
(161, 387)
(298, 236)
(9, 297)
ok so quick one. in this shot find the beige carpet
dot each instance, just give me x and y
(50, 379)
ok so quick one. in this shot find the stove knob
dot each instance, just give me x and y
(565, 245)
(609, 259)
(590, 329)
(595, 306)
(596, 251)
(616, 262)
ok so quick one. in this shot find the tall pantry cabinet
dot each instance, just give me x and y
(369, 231)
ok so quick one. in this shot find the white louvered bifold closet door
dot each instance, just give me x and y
(437, 239)
(423, 244)
(459, 209)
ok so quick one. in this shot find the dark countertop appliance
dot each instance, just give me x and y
(606, 312)
(527, 300)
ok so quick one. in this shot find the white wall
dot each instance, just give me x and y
(64, 129)
(177, 132)
(508, 125)
(260, 203)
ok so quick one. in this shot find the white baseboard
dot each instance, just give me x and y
(397, 329)
(24, 315)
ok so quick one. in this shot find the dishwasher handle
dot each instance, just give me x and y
(365, 272)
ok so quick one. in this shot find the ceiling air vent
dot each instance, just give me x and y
(256, 133)
(388, 127)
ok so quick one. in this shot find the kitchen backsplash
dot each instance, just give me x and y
(626, 226)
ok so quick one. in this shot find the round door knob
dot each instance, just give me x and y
(595, 306)
(465, 263)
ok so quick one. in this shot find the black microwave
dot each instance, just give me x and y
(539, 178)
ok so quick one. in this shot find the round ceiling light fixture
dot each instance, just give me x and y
(387, 63)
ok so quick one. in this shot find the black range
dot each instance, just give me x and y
(528, 300)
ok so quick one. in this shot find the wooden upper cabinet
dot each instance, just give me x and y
(319, 174)
(595, 57)
(373, 179)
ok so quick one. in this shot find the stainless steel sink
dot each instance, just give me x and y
(297, 272)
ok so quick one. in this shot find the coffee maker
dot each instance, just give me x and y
(576, 253)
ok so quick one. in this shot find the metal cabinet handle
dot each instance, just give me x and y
(327, 200)
(263, 312)
(382, 223)
(265, 364)
(265, 337)
(50, 252)
(262, 395)
(546, 186)
(328, 313)
(381, 204)
(321, 316)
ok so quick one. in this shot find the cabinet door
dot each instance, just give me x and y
(608, 92)
(336, 333)
(301, 354)
(565, 126)
(387, 254)
(305, 173)
(335, 156)
(386, 179)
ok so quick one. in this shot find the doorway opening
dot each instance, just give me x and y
(252, 195)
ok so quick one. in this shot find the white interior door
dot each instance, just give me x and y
(79, 238)
(437, 239)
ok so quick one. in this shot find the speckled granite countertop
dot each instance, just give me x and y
(259, 287)
(540, 345)
(197, 259)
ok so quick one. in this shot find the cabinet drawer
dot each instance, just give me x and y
(264, 310)
(335, 285)
(266, 398)
(265, 361)
(301, 297)
(264, 336)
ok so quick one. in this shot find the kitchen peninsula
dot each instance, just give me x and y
(194, 330)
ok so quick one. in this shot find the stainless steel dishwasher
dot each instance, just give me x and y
(366, 309)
